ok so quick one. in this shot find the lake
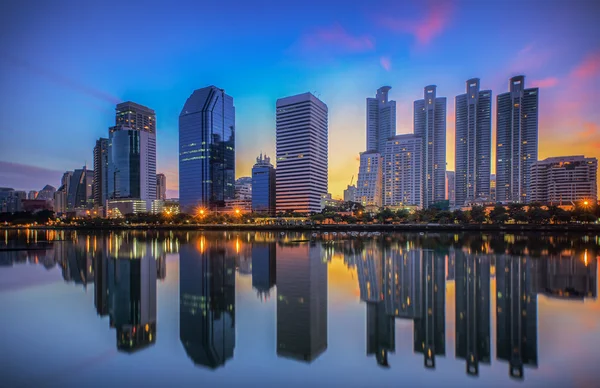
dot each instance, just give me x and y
(266, 309)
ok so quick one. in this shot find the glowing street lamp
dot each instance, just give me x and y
(237, 211)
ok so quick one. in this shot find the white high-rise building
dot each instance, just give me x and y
(402, 171)
(368, 187)
(564, 180)
(381, 120)
(430, 125)
(473, 143)
(301, 142)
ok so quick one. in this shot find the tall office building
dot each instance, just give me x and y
(161, 187)
(450, 184)
(263, 186)
(516, 141)
(207, 303)
(381, 120)
(402, 171)
(368, 186)
(206, 150)
(473, 141)
(350, 194)
(301, 302)
(80, 185)
(430, 125)
(472, 303)
(493, 187)
(301, 137)
(516, 313)
(100, 188)
(564, 179)
(132, 153)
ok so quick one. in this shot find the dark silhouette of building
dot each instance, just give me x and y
(264, 268)
(101, 290)
(301, 302)
(429, 328)
(516, 313)
(472, 302)
(381, 332)
(207, 303)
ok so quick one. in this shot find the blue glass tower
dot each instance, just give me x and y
(263, 186)
(206, 149)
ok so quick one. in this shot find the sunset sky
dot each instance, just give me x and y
(64, 65)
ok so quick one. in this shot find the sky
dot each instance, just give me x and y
(64, 65)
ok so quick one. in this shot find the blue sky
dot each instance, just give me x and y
(65, 64)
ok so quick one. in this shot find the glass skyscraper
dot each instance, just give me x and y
(206, 149)
(430, 125)
(473, 143)
(381, 120)
(516, 141)
(132, 153)
(100, 186)
(263, 186)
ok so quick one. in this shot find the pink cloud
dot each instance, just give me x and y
(590, 67)
(435, 20)
(386, 63)
(336, 38)
(589, 129)
(545, 82)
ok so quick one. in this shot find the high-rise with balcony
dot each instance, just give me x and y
(402, 171)
(473, 141)
(430, 126)
(516, 141)
(132, 153)
(100, 185)
(368, 186)
(381, 120)
(564, 180)
(301, 148)
(206, 150)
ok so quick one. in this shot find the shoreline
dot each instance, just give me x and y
(577, 228)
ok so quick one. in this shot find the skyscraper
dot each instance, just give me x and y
(402, 171)
(132, 153)
(206, 149)
(368, 190)
(80, 188)
(430, 125)
(301, 137)
(263, 186)
(450, 185)
(381, 120)
(100, 187)
(161, 186)
(516, 141)
(473, 141)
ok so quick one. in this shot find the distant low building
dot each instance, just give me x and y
(328, 201)
(350, 194)
(36, 205)
(564, 179)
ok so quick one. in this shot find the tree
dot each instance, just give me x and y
(537, 215)
(499, 215)
(478, 214)
(319, 218)
(461, 217)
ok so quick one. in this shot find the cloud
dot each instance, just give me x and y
(59, 79)
(335, 38)
(545, 82)
(435, 20)
(589, 130)
(386, 63)
(589, 68)
(27, 177)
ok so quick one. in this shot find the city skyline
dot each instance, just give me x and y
(343, 57)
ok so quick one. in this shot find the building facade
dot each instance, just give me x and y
(430, 125)
(263, 186)
(206, 149)
(301, 147)
(100, 187)
(132, 153)
(564, 180)
(368, 186)
(516, 141)
(402, 171)
(450, 193)
(161, 187)
(350, 194)
(381, 120)
(473, 141)
(79, 194)
(493, 187)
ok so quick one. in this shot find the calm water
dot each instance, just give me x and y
(260, 309)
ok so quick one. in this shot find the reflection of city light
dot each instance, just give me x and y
(585, 258)
(237, 246)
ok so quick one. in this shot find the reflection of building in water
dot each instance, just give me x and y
(472, 310)
(161, 266)
(263, 268)
(516, 313)
(381, 335)
(451, 264)
(132, 293)
(301, 301)
(245, 267)
(76, 261)
(568, 277)
(429, 328)
(369, 268)
(101, 291)
(402, 283)
(207, 303)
